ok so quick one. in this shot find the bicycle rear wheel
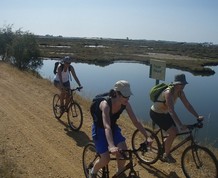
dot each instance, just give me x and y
(153, 148)
(198, 162)
(57, 106)
(75, 116)
(89, 158)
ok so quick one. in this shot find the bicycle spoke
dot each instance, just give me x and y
(152, 154)
(75, 116)
(199, 162)
(89, 158)
(57, 106)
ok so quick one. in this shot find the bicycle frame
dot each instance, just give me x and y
(71, 100)
(68, 105)
(104, 172)
(178, 145)
(130, 165)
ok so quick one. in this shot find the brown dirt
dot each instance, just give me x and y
(34, 144)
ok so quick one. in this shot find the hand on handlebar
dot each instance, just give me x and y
(114, 150)
(200, 118)
(80, 87)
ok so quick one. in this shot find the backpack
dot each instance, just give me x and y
(56, 67)
(157, 90)
(95, 104)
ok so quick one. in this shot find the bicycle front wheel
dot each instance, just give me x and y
(75, 116)
(198, 162)
(56, 104)
(89, 158)
(153, 148)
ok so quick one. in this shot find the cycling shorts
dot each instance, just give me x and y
(164, 121)
(65, 84)
(99, 138)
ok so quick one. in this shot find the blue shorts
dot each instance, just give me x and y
(99, 138)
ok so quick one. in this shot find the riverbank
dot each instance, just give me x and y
(34, 144)
(189, 57)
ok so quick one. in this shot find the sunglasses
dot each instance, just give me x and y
(126, 97)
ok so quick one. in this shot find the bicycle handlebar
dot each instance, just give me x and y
(199, 124)
(77, 88)
(143, 147)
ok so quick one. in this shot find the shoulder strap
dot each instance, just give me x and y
(169, 87)
(108, 99)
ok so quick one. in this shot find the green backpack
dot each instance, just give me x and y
(157, 90)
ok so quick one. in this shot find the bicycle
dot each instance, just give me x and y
(90, 156)
(73, 109)
(197, 161)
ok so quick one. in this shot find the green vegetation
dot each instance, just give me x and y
(191, 57)
(24, 50)
(20, 48)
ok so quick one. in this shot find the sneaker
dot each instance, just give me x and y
(168, 159)
(91, 175)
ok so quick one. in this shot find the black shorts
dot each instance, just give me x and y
(164, 121)
(65, 84)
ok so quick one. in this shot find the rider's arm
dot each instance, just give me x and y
(134, 120)
(107, 125)
(188, 106)
(74, 75)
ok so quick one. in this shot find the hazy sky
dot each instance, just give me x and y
(170, 20)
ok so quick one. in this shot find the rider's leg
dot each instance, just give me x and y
(172, 131)
(66, 93)
(121, 163)
(62, 97)
(67, 98)
(57, 85)
(103, 161)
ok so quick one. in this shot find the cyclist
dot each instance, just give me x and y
(165, 116)
(106, 133)
(61, 80)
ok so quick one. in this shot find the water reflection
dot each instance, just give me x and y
(200, 91)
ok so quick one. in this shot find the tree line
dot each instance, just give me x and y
(19, 48)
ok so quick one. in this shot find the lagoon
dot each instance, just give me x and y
(201, 90)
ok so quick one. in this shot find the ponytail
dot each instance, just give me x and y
(112, 93)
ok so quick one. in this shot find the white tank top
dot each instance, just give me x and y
(65, 75)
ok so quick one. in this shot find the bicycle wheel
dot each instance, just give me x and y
(57, 106)
(89, 158)
(198, 162)
(153, 148)
(75, 116)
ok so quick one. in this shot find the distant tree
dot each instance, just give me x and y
(24, 51)
(6, 38)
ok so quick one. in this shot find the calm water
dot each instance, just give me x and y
(200, 91)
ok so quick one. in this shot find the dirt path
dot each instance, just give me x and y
(34, 144)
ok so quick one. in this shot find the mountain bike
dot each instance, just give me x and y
(73, 110)
(90, 156)
(197, 161)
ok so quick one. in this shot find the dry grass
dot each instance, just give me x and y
(35, 119)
